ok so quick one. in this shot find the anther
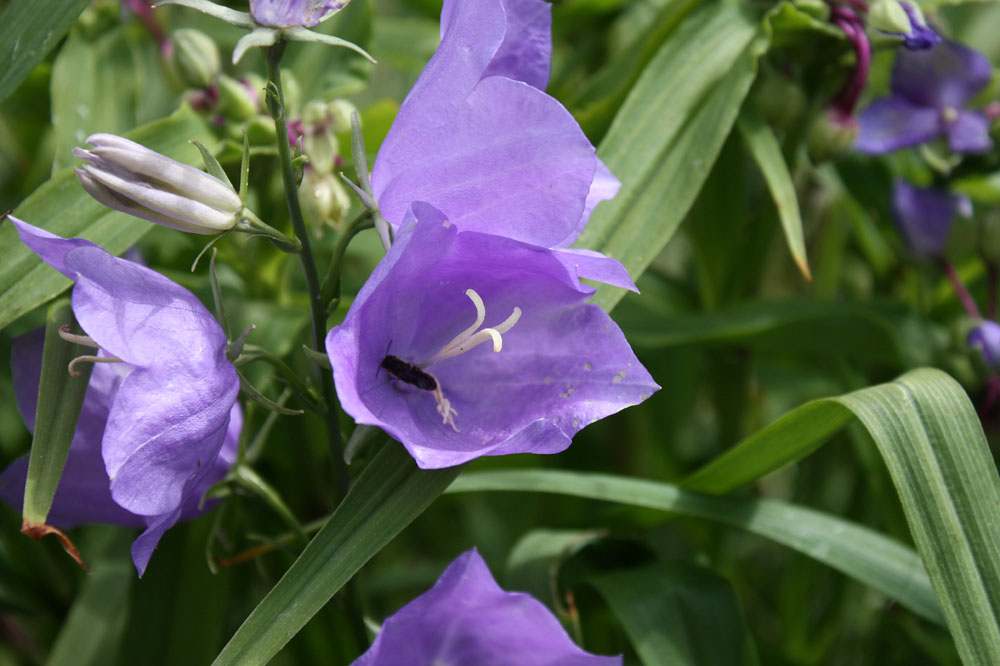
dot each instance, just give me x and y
(471, 337)
(90, 359)
(82, 340)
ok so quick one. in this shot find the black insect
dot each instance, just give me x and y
(409, 373)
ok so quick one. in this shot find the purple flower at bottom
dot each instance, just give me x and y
(287, 13)
(924, 215)
(929, 90)
(466, 619)
(408, 357)
(479, 139)
(986, 337)
(169, 400)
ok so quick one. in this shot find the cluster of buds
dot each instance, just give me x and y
(323, 196)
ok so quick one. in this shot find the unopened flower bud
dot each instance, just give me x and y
(888, 16)
(260, 130)
(195, 57)
(133, 179)
(779, 99)
(340, 111)
(324, 199)
(831, 135)
(237, 100)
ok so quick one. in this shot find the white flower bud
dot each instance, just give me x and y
(133, 179)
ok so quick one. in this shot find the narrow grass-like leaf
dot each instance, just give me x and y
(933, 445)
(27, 33)
(679, 614)
(388, 496)
(91, 635)
(60, 398)
(669, 131)
(767, 153)
(863, 554)
(533, 563)
(61, 206)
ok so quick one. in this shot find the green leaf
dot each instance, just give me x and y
(679, 614)
(861, 553)
(96, 622)
(668, 133)
(60, 399)
(533, 563)
(388, 496)
(61, 206)
(933, 445)
(27, 35)
(766, 151)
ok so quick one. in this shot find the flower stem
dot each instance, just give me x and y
(276, 106)
(963, 294)
(331, 283)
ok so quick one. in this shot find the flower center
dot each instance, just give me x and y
(949, 114)
(463, 342)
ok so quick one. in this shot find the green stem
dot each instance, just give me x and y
(253, 353)
(276, 105)
(331, 283)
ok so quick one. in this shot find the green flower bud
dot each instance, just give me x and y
(832, 134)
(778, 99)
(236, 100)
(340, 111)
(324, 199)
(889, 16)
(260, 130)
(195, 58)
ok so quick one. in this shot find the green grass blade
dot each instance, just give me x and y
(60, 399)
(679, 614)
(61, 206)
(767, 153)
(933, 445)
(28, 31)
(388, 496)
(863, 554)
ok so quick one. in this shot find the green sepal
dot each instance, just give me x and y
(212, 165)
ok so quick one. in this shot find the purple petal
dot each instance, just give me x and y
(285, 13)
(596, 266)
(924, 216)
(945, 76)
(563, 365)
(508, 160)
(50, 248)
(986, 337)
(969, 132)
(920, 36)
(526, 50)
(466, 619)
(892, 123)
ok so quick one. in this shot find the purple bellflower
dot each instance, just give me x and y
(478, 139)
(986, 337)
(169, 401)
(924, 216)
(466, 619)
(408, 357)
(288, 13)
(929, 90)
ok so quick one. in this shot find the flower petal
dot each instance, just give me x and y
(946, 75)
(466, 619)
(526, 50)
(508, 160)
(284, 13)
(969, 133)
(892, 123)
(924, 216)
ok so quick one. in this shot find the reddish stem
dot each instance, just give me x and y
(853, 27)
(963, 294)
(145, 13)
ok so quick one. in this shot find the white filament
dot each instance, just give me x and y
(472, 337)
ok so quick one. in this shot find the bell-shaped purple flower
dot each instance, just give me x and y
(924, 216)
(930, 89)
(478, 138)
(920, 37)
(466, 619)
(288, 13)
(464, 344)
(986, 337)
(170, 410)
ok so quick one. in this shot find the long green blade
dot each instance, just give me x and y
(62, 207)
(387, 497)
(60, 398)
(863, 554)
(28, 31)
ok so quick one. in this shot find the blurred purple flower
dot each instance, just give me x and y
(169, 402)
(924, 215)
(986, 337)
(466, 619)
(920, 36)
(287, 13)
(929, 90)
(408, 357)
(479, 139)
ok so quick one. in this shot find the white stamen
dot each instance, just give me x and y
(447, 412)
(470, 337)
(82, 340)
(89, 359)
